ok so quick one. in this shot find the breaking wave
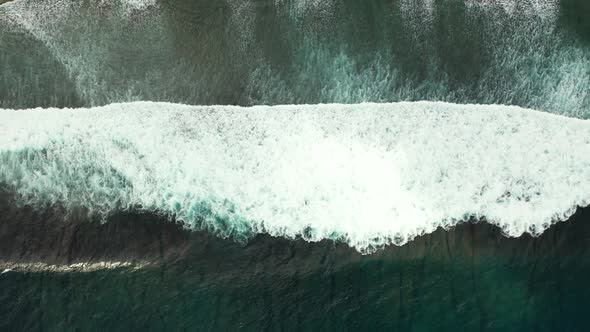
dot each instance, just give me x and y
(366, 174)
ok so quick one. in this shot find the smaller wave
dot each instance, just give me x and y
(8, 267)
(367, 174)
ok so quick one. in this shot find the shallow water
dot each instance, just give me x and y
(532, 53)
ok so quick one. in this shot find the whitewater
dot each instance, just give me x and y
(365, 174)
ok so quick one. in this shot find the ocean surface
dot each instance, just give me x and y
(295, 165)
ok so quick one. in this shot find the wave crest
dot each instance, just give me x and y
(366, 174)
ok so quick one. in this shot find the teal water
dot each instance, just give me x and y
(532, 53)
(421, 295)
(469, 278)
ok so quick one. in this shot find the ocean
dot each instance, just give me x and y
(294, 165)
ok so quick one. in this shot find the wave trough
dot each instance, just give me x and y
(367, 174)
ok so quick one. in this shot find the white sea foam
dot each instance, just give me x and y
(367, 174)
(128, 50)
(77, 267)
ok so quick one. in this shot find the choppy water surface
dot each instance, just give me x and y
(531, 53)
(329, 178)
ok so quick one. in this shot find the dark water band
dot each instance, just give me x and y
(470, 276)
(28, 237)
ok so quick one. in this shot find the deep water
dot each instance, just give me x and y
(470, 277)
